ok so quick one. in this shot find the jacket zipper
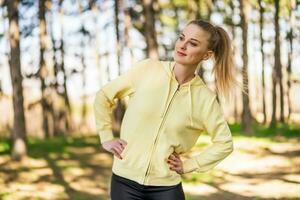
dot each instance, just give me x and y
(163, 120)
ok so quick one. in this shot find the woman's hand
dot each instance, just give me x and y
(115, 146)
(175, 163)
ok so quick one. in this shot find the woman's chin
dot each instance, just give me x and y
(180, 60)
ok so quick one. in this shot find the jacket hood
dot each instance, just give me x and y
(196, 81)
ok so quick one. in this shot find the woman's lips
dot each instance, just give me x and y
(181, 53)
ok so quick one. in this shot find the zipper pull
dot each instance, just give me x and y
(178, 87)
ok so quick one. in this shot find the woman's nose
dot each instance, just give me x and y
(182, 45)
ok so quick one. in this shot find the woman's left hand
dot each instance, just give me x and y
(175, 163)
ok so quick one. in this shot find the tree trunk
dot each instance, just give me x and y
(68, 113)
(175, 9)
(261, 25)
(127, 27)
(278, 65)
(60, 112)
(19, 147)
(193, 9)
(97, 33)
(233, 28)
(246, 114)
(277, 73)
(149, 29)
(84, 96)
(118, 42)
(1, 90)
(290, 56)
(83, 31)
(120, 108)
(46, 101)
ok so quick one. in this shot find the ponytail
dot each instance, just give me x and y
(224, 67)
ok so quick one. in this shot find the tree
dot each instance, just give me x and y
(246, 114)
(19, 148)
(277, 71)
(65, 93)
(261, 25)
(46, 100)
(62, 113)
(85, 38)
(120, 108)
(193, 9)
(149, 25)
(127, 26)
(290, 38)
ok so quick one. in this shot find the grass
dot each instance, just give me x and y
(195, 178)
(57, 161)
(263, 131)
(56, 168)
(59, 144)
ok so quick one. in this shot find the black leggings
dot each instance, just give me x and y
(125, 189)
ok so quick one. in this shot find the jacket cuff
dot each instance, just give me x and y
(105, 136)
(190, 165)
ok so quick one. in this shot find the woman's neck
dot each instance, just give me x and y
(184, 73)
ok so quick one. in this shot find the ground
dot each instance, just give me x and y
(77, 168)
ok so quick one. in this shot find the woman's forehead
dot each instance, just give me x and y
(196, 32)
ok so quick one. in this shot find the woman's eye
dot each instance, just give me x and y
(182, 38)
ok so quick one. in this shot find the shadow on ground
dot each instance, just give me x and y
(79, 169)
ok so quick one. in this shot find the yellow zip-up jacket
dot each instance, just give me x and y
(162, 117)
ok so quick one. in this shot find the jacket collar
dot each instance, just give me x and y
(196, 81)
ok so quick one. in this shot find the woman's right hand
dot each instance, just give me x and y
(115, 146)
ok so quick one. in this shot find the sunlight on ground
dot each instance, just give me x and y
(202, 189)
(80, 174)
(255, 170)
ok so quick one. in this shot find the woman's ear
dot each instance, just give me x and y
(207, 55)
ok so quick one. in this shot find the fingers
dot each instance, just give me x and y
(115, 146)
(122, 142)
(119, 147)
(177, 169)
(174, 157)
(116, 153)
(175, 163)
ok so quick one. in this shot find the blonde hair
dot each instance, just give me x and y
(224, 68)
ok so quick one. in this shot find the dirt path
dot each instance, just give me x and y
(256, 170)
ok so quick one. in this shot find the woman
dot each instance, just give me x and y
(169, 107)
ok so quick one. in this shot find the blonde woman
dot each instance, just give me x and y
(169, 107)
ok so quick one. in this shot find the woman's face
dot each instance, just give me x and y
(191, 46)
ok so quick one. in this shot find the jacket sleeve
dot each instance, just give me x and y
(216, 126)
(120, 87)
